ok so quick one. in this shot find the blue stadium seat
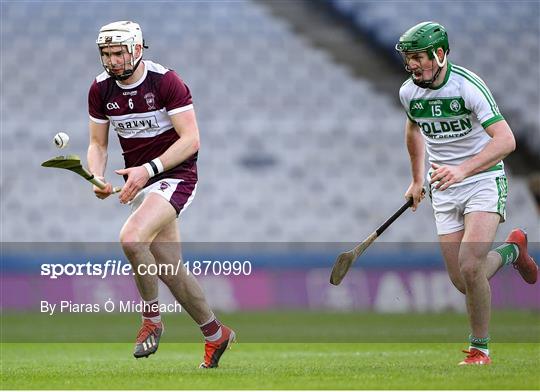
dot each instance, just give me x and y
(292, 149)
(497, 40)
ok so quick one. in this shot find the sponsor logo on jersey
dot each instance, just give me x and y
(113, 105)
(135, 125)
(130, 93)
(446, 129)
(150, 101)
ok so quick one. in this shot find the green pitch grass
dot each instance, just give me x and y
(267, 366)
(276, 350)
(273, 326)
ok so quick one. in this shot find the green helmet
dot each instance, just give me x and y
(425, 36)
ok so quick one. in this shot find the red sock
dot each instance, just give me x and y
(212, 329)
(151, 311)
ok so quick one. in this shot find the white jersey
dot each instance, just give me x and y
(453, 118)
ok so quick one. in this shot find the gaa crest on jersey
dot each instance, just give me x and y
(150, 101)
(455, 105)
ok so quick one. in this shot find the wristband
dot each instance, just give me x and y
(154, 167)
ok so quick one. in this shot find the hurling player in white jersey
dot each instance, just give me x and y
(150, 109)
(452, 115)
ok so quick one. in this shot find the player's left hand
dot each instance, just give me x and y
(137, 177)
(446, 175)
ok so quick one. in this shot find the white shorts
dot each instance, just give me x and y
(176, 191)
(451, 205)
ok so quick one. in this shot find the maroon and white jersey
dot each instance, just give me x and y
(140, 115)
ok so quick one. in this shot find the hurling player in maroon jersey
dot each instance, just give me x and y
(150, 109)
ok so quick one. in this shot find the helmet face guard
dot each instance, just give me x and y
(432, 55)
(424, 37)
(125, 34)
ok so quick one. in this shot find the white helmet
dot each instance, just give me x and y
(121, 33)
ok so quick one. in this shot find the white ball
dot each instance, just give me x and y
(61, 140)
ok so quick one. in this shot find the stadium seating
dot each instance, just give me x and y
(497, 40)
(294, 148)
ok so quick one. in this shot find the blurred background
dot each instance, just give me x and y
(302, 139)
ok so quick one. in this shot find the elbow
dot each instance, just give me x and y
(98, 147)
(511, 144)
(195, 145)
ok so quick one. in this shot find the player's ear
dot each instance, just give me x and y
(440, 54)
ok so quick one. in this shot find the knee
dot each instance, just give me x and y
(458, 284)
(471, 270)
(131, 240)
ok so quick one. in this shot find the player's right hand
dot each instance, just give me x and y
(416, 191)
(105, 192)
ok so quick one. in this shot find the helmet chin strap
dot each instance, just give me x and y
(428, 83)
(127, 73)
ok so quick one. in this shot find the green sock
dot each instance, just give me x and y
(509, 253)
(479, 343)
